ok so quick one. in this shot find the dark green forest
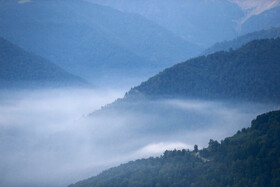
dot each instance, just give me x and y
(249, 158)
(250, 73)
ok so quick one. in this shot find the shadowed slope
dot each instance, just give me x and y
(19, 68)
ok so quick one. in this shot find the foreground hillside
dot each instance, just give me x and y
(250, 73)
(249, 158)
(19, 68)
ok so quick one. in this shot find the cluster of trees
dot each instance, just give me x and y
(250, 73)
(249, 158)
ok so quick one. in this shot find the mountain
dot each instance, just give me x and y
(91, 40)
(19, 68)
(255, 7)
(250, 73)
(264, 20)
(204, 22)
(242, 40)
(198, 21)
(249, 158)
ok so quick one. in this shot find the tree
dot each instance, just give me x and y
(195, 149)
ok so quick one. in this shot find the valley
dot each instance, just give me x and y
(139, 93)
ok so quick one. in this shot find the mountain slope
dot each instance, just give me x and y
(250, 73)
(249, 158)
(197, 21)
(204, 22)
(242, 40)
(91, 40)
(254, 7)
(19, 68)
(265, 20)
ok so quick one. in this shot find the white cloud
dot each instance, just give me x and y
(156, 149)
(24, 1)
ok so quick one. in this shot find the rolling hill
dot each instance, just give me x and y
(21, 69)
(249, 158)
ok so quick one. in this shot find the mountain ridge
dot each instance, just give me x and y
(91, 40)
(242, 40)
(204, 22)
(249, 73)
(19, 68)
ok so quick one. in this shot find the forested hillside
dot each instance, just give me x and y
(250, 73)
(242, 40)
(249, 158)
(19, 68)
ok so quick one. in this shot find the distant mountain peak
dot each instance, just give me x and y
(254, 7)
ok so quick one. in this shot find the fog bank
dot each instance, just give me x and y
(48, 139)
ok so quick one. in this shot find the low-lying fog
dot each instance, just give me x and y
(48, 139)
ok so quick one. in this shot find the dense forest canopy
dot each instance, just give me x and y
(250, 73)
